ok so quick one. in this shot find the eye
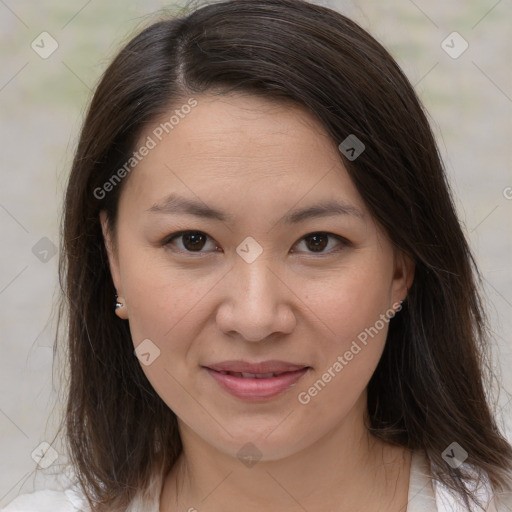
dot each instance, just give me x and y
(191, 241)
(195, 241)
(317, 242)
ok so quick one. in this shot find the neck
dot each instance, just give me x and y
(347, 469)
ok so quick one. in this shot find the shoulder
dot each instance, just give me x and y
(68, 500)
(428, 493)
(478, 483)
(71, 498)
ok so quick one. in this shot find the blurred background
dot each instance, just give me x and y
(456, 53)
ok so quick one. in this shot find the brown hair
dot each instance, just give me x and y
(428, 389)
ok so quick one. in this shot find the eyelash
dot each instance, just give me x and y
(343, 241)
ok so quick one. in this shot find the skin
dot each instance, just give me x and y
(258, 161)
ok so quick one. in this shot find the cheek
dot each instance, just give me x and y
(347, 302)
(353, 313)
(166, 309)
(343, 371)
(162, 299)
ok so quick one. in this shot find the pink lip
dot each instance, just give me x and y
(254, 389)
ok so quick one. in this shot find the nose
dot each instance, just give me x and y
(256, 302)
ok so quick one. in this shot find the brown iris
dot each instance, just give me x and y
(318, 241)
(196, 241)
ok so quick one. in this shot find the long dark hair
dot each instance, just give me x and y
(429, 387)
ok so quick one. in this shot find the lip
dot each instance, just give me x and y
(256, 388)
(270, 366)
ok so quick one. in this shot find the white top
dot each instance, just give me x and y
(425, 495)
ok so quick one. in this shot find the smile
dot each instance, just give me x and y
(256, 386)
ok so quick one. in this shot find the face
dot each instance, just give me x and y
(255, 282)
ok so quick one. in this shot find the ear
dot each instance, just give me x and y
(403, 276)
(113, 261)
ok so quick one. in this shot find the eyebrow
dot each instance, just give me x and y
(174, 204)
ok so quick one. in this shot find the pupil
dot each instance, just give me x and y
(318, 247)
(193, 240)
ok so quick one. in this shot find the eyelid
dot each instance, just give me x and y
(343, 241)
(169, 239)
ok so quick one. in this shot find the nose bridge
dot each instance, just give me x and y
(258, 287)
(254, 304)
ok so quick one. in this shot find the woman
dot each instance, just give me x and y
(258, 197)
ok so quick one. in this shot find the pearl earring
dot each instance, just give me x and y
(119, 305)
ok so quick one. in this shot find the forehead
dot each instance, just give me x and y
(235, 146)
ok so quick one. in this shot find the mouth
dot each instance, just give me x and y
(245, 375)
(256, 382)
